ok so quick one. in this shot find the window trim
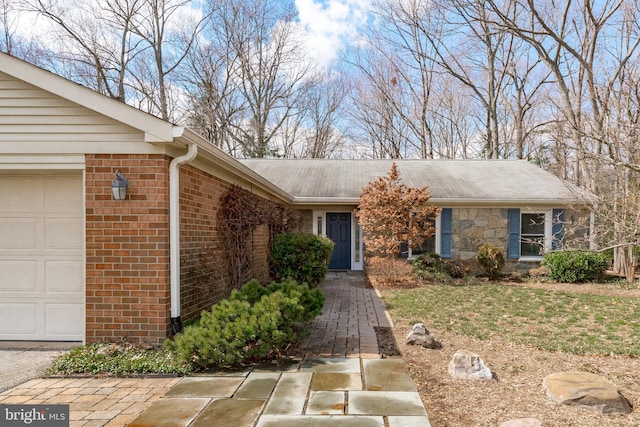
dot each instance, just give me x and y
(438, 243)
(548, 234)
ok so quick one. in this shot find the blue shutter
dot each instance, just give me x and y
(557, 228)
(514, 233)
(446, 228)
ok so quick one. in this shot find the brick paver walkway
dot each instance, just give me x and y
(345, 328)
(342, 381)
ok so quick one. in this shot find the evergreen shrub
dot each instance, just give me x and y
(301, 257)
(430, 266)
(575, 266)
(253, 323)
(491, 259)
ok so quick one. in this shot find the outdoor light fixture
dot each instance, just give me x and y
(119, 186)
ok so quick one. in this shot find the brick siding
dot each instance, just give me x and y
(127, 249)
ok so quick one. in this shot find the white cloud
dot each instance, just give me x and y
(329, 25)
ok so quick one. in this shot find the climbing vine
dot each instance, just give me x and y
(243, 212)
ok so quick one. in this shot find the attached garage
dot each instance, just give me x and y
(42, 255)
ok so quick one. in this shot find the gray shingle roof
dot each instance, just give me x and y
(454, 181)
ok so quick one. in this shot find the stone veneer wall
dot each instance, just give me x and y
(475, 226)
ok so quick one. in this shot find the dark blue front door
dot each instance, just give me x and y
(339, 230)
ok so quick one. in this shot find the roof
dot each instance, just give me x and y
(512, 182)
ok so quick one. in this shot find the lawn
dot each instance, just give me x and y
(574, 323)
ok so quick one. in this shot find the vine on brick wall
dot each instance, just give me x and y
(242, 213)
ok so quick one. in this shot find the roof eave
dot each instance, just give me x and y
(453, 202)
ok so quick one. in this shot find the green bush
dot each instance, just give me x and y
(574, 266)
(255, 322)
(430, 266)
(491, 259)
(301, 257)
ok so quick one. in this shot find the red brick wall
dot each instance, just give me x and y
(127, 249)
(204, 273)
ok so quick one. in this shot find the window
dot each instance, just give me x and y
(437, 243)
(532, 234)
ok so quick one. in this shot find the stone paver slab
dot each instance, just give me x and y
(170, 412)
(290, 394)
(331, 365)
(385, 403)
(319, 421)
(258, 385)
(413, 421)
(336, 381)
(388, 375)
(205, 387)
(326, 403)
(229, 412)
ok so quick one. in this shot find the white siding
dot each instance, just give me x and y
(29, 114)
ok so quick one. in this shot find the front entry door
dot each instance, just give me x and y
(339, 230)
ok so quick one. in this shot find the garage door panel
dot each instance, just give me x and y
(63, 233)
(42, 256)
(62, 193)
(63, 319)
(18, 233)
(19, 276)
(19, 319)
(21, 193)
(63, 276)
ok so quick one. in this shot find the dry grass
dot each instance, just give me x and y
(520, 368)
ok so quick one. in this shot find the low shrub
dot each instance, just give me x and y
(430, 267)
(118, 359)
(253, 323)
(460, 268)
(301, 257)
(574, 266)
(491, 259)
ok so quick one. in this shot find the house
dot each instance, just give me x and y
(80, 262)
(512, 204)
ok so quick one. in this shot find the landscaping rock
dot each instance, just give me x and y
(469, 366)
(522, 422)
(585, 390)
(420, 335)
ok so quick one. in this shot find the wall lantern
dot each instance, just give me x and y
(119, 186)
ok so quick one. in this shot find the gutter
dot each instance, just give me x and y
(174, 232)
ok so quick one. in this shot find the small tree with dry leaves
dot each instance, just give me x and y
(392, 213)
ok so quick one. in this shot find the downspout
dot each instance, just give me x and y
(174, 232)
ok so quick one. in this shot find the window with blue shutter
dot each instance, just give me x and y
(513, 251)
(557, 228)
(446, 231)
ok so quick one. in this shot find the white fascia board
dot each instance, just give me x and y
(155, 129)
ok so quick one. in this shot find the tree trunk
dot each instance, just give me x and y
(624, 262)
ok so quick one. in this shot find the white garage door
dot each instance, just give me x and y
(41, 256)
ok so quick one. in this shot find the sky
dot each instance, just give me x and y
(330, 25)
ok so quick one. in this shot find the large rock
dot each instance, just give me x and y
(585, 390)
(420, 335)
(522, 422)
(469, 366)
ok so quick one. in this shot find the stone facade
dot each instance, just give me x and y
(474, 226)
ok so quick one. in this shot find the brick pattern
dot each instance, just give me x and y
(203, 258)
(127, 249)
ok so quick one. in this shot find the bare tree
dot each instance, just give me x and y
(96, 40)
(591, 49)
